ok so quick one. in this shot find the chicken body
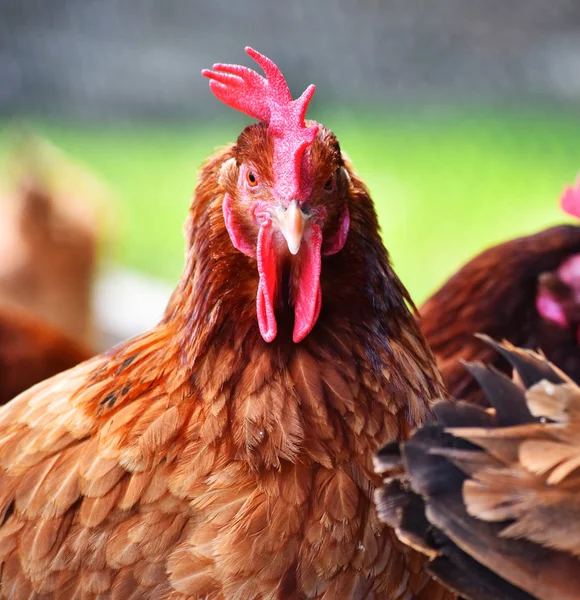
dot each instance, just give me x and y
(198, 460)
(49, 230)
(491, 496)
(497, 293)
(31, 351)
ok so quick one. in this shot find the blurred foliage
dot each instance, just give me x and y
(445, 185)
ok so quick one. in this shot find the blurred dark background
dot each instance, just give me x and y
(96, 59)
(462, 117)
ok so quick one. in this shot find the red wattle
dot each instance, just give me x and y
(307, 293)
(306, 284)
(305, 277)
(268, 283)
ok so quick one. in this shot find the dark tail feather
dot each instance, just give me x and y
(530, 367)
(463, 575)
(508, 399)
(388, 457)
(423, 500)
(461, 414)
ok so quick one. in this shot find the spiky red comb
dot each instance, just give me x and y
(570, 199)
(268, 99)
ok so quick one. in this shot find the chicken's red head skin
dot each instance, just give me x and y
(558, 298)
(285, 201)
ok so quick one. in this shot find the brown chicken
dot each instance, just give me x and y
(31, 351)
(49, 230)
(526, 291)
(227, 453)
(491, 496)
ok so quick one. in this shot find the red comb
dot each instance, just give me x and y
(268, 99)
(570, 199)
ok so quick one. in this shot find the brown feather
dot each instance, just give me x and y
(495, 294)
(31, 351)
(197, 460)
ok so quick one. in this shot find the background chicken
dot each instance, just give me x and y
(50, 223)
(491, 496)
(526, 290)
(47, 261)
(227, 453)
(31, 351)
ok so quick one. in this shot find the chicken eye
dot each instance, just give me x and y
(251, 179)
(329, 184)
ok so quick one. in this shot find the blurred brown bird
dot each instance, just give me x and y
(31, 351)
(526, 290)
(49, 233)
(227, 453)
(491, 496)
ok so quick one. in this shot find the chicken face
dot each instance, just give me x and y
(558, 298)
(287, 234)
(285, 199)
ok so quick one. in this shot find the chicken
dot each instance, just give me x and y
(49, 230)
(491, 496)
(31, 351)
(526, 290)
(227, 453)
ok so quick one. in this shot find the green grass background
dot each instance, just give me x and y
(445, 185)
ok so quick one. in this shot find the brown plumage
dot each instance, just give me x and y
(199, 461)
(31, 351)
(49, 231)
(496, 293)
(491, 496)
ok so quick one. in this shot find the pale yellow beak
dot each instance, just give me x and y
(291, 224)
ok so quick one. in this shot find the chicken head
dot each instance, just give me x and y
(285, 200)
